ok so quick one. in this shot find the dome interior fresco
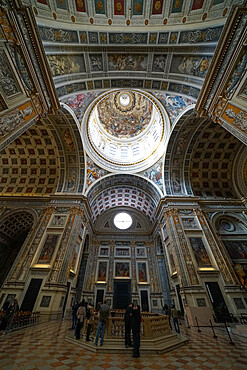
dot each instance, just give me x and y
(125, 114)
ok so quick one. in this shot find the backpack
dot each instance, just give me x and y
(88, 314)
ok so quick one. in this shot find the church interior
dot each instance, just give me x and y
(123, 167)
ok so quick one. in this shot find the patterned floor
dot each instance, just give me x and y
(44, 347)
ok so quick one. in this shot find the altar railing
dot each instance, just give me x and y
(152, 326)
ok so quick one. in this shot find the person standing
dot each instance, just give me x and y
(74, 312)
(90, 319)
(167, 311)
(81, 314)
(136, 328)
(104, 311)
(175, 317)
(128, 323)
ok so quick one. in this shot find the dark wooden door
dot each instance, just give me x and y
(144, 300)
(217, 300)
(99, 297)
(122, 296)
(31, 295)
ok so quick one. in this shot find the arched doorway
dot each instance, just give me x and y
(13, 232)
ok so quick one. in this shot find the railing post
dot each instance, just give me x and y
(197, 325)
(231, 342)
(214, 336)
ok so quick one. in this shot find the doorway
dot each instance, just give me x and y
(122, 294)
(31, 295)
(144, 301)
(217, 300)
(99, 297)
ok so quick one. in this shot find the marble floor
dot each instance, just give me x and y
(44, 347)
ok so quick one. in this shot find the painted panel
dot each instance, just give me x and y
(99, 6)
(127, 62)
(177, 6)
(58, 35)
(236, 249)
(48, 248)
(42, 2)
(69, 89)
(200, 35)
(128, 38)
(142, 272)
(184, 89)
(200, 252)
(190, 65)
(102, 271)
(197, 4)
(80, 5)
(163, 37)
(122, 269)
(62, 4)
(93, 172)
(157, 6)
(241, 271)
(236, 117)
(159, 63)
(137, 7)
(96, 62)
(217, 2)
(118, 7)
(66, 64)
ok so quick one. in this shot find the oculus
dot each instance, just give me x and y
(122, 220)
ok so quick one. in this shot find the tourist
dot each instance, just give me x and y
(167, 311)
(128, 323)
(136, 328)
(81, 314)
(90, 319)
(74, 312)
(104, 311)
(175, 317)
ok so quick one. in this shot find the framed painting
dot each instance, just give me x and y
(141, 252)
(104, 251)
(142, 272)
(200, 252)
(122, 252)
(48, 248)
(45, 301)
(122, 269)
(102, 271)
(237, 249)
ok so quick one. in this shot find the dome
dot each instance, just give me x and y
(125, 130)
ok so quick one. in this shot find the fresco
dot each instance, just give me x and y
(102, 271)
(66, 64)
(127, 62)
(237, 74)
(200, 252)
(96, 62)
(142, 272)
(197, 4)
(93, 172)
(216, 2)
(125, 122)
(118, 7)
(155, 174)
(58, 35)
(163, 37)
(177, 6)
(235, 116)
(173, 104)
(80, 5)
(137, 7)
(48, 248)
(201, 35)
(159, 63)
(62, 4)
(68, 89)
(241, 271)
(122, 269)
(236, 249)
(157, 6)
(184, 89)
(99, 6)
(80, 102)
(190, 65)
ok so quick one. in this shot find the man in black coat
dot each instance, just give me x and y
(128, 322)
(136, 328)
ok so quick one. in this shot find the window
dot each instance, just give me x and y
(123, 220)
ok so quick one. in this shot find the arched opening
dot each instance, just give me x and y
(13, 232)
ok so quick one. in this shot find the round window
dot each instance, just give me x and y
(122, 220)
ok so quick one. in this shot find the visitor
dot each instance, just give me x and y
(74, 312)
(175, 317)
(104, 311)
(81, 314)
(90, 320)
(167, 312)
(128, 323)
(136, 328)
